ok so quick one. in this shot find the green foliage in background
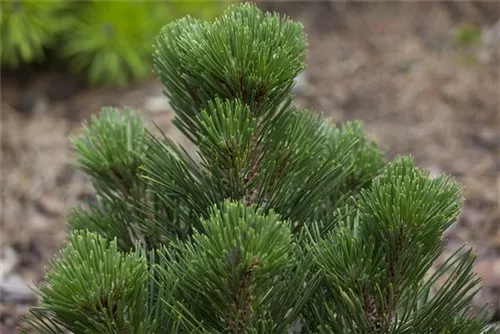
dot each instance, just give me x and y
(286, 223)
(28, 28)
(468, 35)
(108, 41)
(467, 38)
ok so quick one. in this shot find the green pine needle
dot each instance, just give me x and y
(93, 286)
(242, 54)
(112, 148)
(233, 272)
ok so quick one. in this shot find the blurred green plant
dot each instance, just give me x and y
(468, 35)
(27, 28)
(111, 42)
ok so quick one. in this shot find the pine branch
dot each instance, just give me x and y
(238, 56)
(230, 276)
(94, 287)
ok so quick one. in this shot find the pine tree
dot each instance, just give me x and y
(283, 223)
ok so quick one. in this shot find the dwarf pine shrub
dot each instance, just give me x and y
(283, 223)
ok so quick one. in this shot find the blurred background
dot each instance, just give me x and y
(422, 76)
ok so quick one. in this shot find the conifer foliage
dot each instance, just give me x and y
(283, 223)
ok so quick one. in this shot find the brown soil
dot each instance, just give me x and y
(395, 66)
